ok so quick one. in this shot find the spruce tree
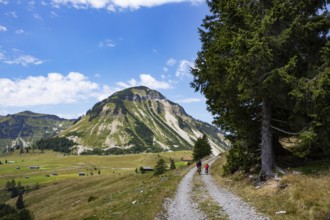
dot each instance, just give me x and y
(256, 61)
(202, 148)
(160, 167)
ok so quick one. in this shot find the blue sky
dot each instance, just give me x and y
(62, 56)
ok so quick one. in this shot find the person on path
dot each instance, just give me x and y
(199, 166)
(206, 168)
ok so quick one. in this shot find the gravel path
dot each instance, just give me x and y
(182, 207)
(236, 208)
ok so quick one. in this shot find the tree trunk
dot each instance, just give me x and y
(267, 153)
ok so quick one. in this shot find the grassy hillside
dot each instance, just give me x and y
(117, 193)
(303, 192)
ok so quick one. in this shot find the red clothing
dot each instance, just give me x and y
(206, 166)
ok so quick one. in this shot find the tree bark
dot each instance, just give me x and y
(267, 152)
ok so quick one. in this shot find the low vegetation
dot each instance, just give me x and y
(302, 192)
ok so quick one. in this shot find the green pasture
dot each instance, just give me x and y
(117, 193)
(67, 167)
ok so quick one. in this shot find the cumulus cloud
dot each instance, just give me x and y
(114, 5)
(3, 28)
(52, 89)
(184, 68)
(146, 80)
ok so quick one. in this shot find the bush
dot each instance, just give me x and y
(240, 157)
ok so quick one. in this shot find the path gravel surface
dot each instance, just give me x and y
(182, 207)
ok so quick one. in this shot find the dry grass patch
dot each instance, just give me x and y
(305, 197)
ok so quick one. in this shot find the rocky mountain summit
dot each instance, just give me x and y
(144, 119)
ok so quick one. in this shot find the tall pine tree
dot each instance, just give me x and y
(256, 59)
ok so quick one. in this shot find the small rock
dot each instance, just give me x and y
(257, 187)
(134, 202)
(280, 212)
(277, 178)
(282, 186)
(296, 172)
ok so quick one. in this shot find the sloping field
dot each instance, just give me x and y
(110, 189)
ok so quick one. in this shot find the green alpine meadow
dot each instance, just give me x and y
(165, 110)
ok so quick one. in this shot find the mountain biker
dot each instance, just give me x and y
(199, 166)
(206, 168)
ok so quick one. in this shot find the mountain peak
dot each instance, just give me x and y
(140, 119)
(138, 93)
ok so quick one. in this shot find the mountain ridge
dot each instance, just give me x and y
(23, 128)
(142, 118)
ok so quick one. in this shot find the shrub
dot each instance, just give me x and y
(240, 157)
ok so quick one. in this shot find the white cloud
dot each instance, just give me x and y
(12, 14)
(104, 93)
(52, 89)
(37, 16)
(184, 68)
(20, 31)
(3, 28)
(189, 100)
(53, 14)
(146, 80)
(114, 5)
(106, 43)
(24, 60)
(18, 57)
(171, 62)
(5, 2)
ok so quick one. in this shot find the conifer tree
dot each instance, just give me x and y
(256, 60)
(202, 148)
(160, 167)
